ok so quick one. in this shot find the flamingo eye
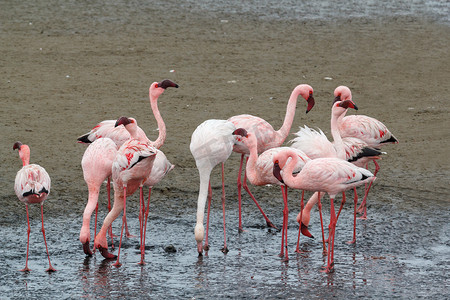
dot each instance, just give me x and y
(156, 85)
(310, 92)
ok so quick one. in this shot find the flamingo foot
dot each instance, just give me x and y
(87, 249)
(129, 235)
(206, 247)
(305, 231)
(117, 264)
(363, 217)
(241, 230)
(104, 252)
(224, 250)
(50, 269)
(142, 262)
(26, 269)
(352, 241)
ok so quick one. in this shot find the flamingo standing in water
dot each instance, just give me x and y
(211, 143)
(316, 145)
(259, 171)
(132, 166)
(330, 175)
(32, 185)
(161, 166)
(97, 166)
(107, 129)
(367, 129)
(266, 136)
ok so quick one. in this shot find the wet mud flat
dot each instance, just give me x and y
(66, 67)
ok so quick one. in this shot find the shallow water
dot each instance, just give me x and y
(402, 250)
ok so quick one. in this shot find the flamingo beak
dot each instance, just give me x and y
(200, 248)
(311, 103)
(105, 253)
(337, 99)
(122, 121)
(87, 249)
(305, 231)
(167, 83)
(277, 172)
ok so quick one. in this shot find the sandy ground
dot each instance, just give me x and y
(60, 76)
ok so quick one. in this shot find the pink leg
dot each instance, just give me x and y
(319, 205)
(332, 228)
(300, 224)
(239, 186)
(108, 190)
(355, 201)
(26, 269)
(124, 218)
(50, 268)
(269, 223)
(342, 204)
(225, 248)
(206, 247)
(141, 223)
(282, 227)
(145, 223)
(95, 225)
(363, 207)
(285, 221)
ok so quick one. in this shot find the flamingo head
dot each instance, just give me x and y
(342, 93)
(17, 145)
(277, 170)
(125, 121)
(157, 88)
(307, 92)
(341, 107)
(241, 132)
(199, 233)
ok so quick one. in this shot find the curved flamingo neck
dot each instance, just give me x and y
(250, 168)
(161, 125)
(288, 170)
(338, 143)
(283, 132)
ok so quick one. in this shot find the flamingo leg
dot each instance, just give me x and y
(50, 268)
(319, 205)
(206, 247)
(300, 224)
(95, 223)
(26, 269)
(331, 234)
(363, 206)
(342, 204)
(124, 218)
(141, 222)
(225, 248)
(285, 220)
(239, 187)
(355, 201)
(269, 223)
(145, 223)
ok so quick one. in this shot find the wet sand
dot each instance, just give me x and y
(65, 69)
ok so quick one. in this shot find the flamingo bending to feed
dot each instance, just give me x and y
(330, 175)
(32, 185)
(316, 145)
(97, 167)
(259, 171)
(266, 136)
(130, 169)
(367, 129)
(211, 143)
(107, 128)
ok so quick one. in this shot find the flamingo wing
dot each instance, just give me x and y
(32, 184)
(313, 143)
(368, 129)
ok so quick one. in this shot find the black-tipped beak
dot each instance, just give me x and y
(277, 172)
(337, 99)
(167, 83)
(17, 145)
(122, 121)
(311, 103)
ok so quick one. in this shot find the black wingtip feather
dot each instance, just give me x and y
(84, 139)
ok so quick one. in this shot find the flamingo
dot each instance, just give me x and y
(259, 171)
(131, 167)
(32, 185)
(97, 167)
(211, 143)
(330, 175)
(316, 145)
(367, 129)
(266, 136)
(120, 135)
(161, 166)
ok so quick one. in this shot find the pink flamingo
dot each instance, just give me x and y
(330, 175)
(365, 128)
(120, 135)
(97, 167)
(259, 171)
(161, 166)
(316, 145)
(130, 169)
(211, 143)
(32, 185)
(266, 136)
